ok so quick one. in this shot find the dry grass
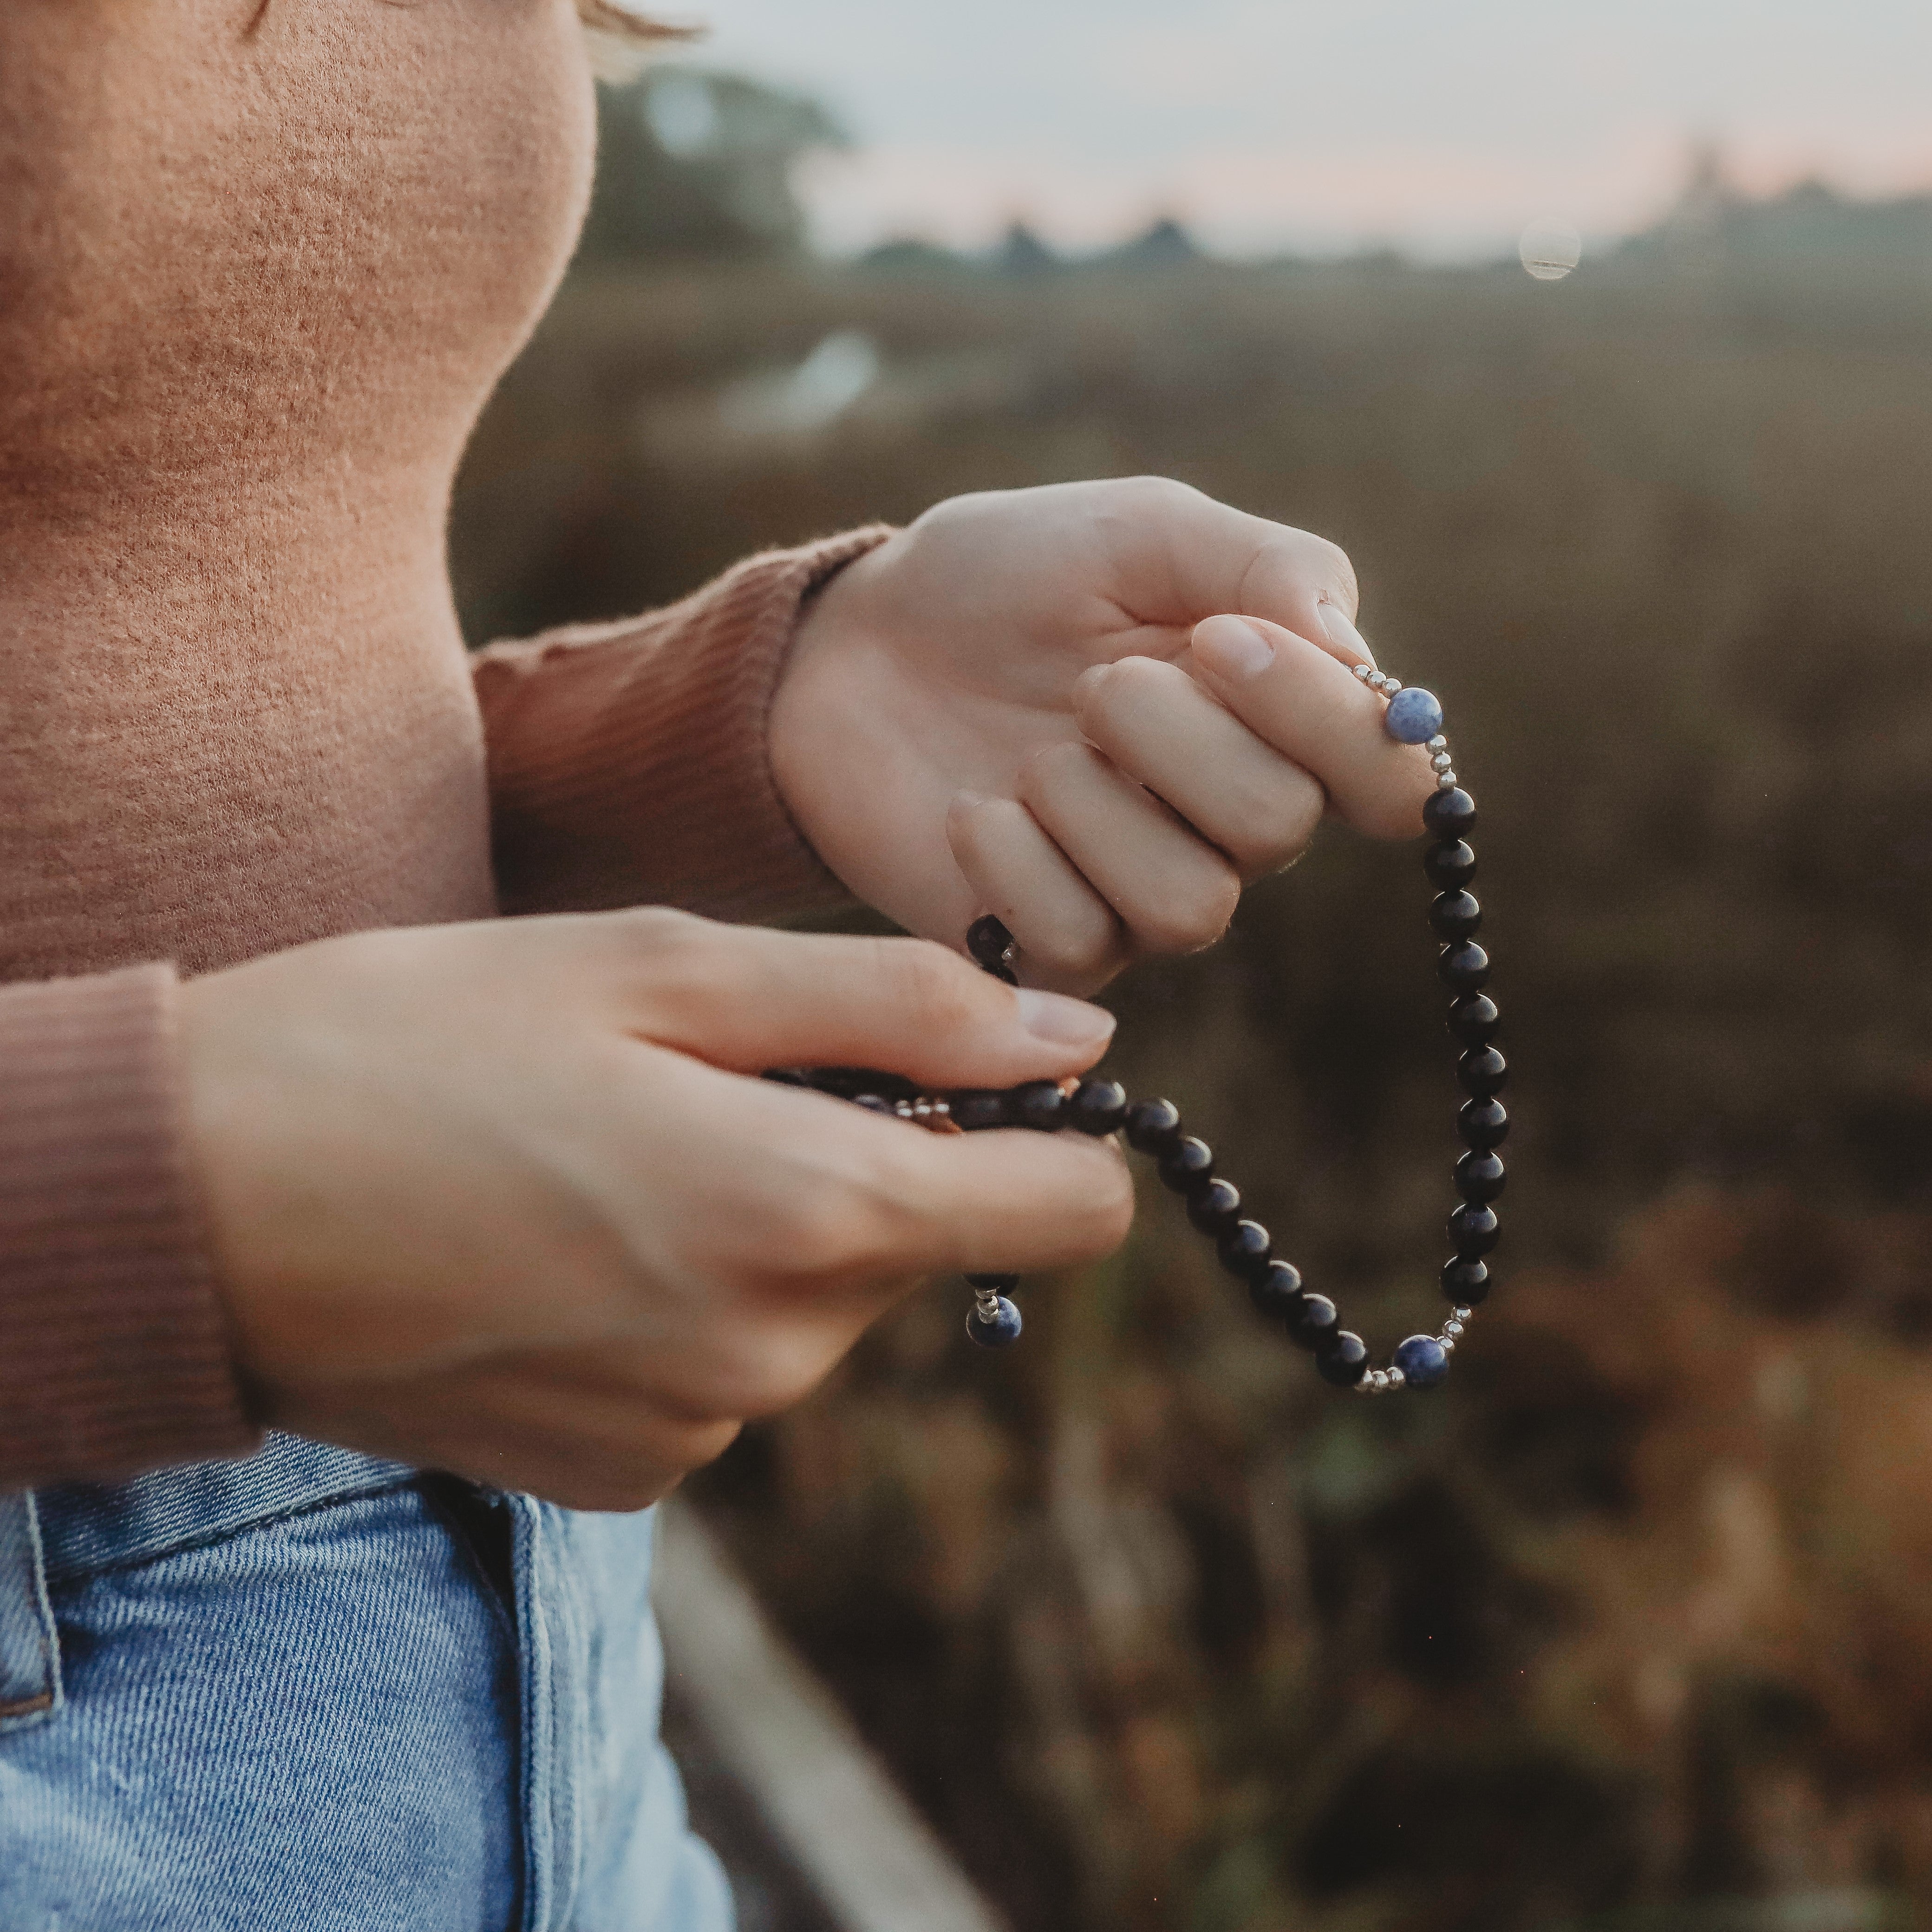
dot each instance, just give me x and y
(1633, 1620)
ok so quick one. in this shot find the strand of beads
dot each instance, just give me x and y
(1185, 1162)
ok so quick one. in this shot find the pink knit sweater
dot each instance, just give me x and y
(258, 268)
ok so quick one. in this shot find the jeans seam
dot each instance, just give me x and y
(473, 1558)
(207, 1540)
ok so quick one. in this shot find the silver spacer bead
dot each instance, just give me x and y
(1397, 1378)
(1463, 1314)
(1445, 781)
(1446, 1343)
(1442, 762)
(1376, 1380)
(1452, 1327)
(1391, 686)
(1439, 743)
(1362, 671)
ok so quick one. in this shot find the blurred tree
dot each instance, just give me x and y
(694, 164)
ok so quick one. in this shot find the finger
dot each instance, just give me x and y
(1067, 933)
(1301, 699)
(1160, 727)
(1171, 890)
(1179, 556)
(747, 998)
(893, 1202)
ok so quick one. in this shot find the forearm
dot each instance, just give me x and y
(629, 762)
(113, 1356)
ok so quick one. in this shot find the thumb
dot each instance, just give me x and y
(744, 998)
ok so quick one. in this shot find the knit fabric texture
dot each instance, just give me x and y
(259, 267)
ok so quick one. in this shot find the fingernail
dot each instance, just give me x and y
(1067, 1022)
(1343, 635)
(1233, 647)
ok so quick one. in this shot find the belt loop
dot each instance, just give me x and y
(30, 1678)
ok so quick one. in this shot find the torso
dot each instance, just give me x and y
(254, 286)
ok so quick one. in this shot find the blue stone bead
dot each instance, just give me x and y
(1414, 715)
(1423, 1362)
(1001, 1332)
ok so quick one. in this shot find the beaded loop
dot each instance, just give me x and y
(1187, 1164)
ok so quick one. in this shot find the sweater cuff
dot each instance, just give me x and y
(629, 761)
(113, 1354)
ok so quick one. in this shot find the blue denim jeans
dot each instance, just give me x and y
(317, 1690)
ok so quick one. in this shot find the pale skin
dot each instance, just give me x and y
(509, 1198)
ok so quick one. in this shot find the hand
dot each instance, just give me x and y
(502, 1198)
(1014, 706)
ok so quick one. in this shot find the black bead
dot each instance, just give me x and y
(1482, 1071)
(1450, 864)
(1480, 1176)
(1006, 977)
(1276, 1291)
(1038, 1104)
(1245, 1249)
(785, 1076)
(1464, 1283)
(1214, 1206)
(1474, 1230)
(1187, 1161)
(1153, 1126)
(1097, 1107)
(1483, 1123)
(1474, 1019)
(1456, 915)
(1343, 1359)
(988, 940)
(1464, 967)
(1449, 814)
(977, 1109)
(999, 1284)
(1313, 1320)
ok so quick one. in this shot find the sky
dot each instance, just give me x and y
(1439, 129)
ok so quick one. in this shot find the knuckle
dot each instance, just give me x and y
(1132, 686)
(658, 928)
(850, 1223)
(1048, 770)
(788, 1360)
(1070, 946)
(935, 989)
(1276, 830)
(1193, 917)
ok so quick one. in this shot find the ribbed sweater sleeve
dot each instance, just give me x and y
(113, 1357)
(628, 761)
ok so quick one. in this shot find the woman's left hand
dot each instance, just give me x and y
(1095, 709)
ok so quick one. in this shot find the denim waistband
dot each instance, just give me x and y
(88, 1527)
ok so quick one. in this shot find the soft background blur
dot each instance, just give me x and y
(1631, 1631)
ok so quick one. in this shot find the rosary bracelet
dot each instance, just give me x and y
(1187, 1163)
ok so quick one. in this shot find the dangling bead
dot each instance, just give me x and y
(1343, 1359)
(1275, 1292)
(1153, 1126)
(994, 1324)
(1423, 1361)
(1188, 1161)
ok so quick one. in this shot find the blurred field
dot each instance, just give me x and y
(1631, 1630)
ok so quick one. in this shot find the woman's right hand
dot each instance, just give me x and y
(509, 1198)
